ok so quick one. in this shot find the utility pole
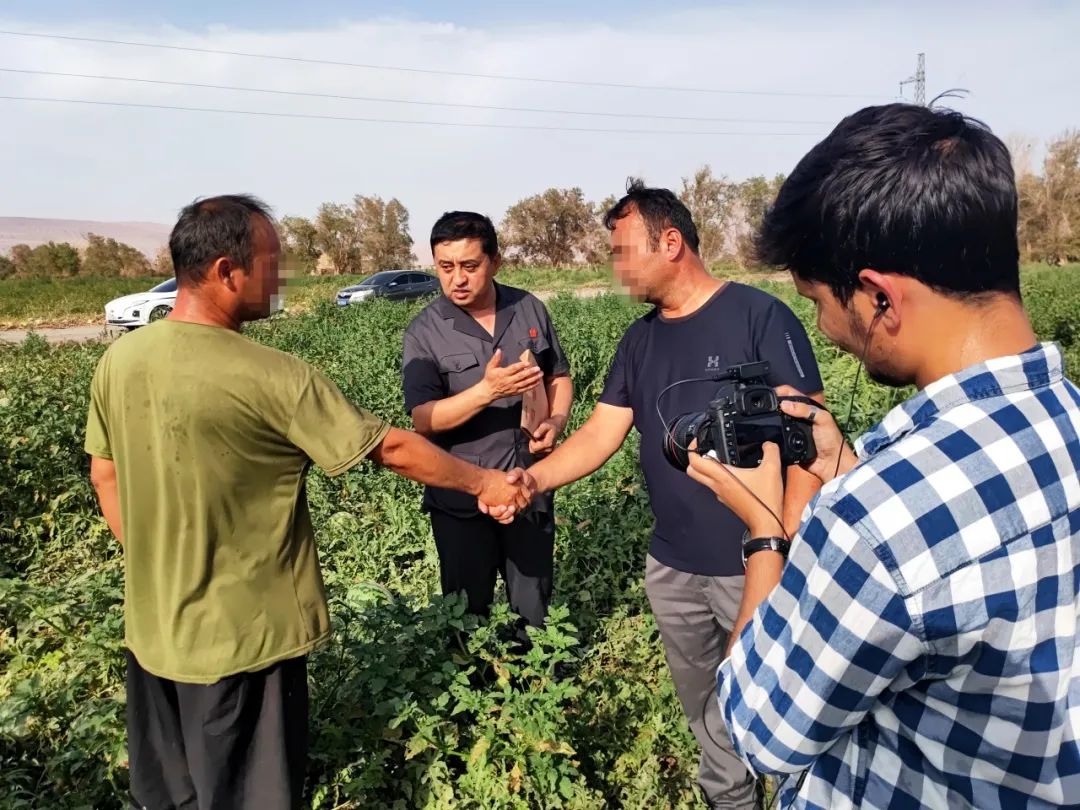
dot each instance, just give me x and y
(919, 80)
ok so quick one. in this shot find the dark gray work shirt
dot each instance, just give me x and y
(445, 352)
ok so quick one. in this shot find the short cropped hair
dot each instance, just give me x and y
(660, 208)
(455, 225)
(212, 228)
(917, 191)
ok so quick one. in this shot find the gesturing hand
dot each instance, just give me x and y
(829, 441)
(516, 378)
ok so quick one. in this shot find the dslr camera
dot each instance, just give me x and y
(743, 414)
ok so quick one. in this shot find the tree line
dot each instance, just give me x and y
(101, 257)
(561, 228)
(364, 236)
(558, 227)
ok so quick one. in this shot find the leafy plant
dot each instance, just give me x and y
(414, 704)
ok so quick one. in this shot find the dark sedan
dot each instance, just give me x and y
(394, 285)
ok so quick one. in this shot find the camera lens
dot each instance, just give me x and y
(681, 431)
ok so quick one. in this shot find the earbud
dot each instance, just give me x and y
(882, 303)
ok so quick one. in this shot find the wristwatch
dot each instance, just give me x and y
(750, 545)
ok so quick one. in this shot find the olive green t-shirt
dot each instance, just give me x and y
(212, 435)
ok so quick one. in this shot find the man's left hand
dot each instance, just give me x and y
(736, 487)
(544, 437)
(833, 457)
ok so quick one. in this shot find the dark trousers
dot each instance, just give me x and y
(236, 744)
(474, 550)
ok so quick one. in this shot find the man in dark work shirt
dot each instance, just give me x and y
(464, 376)
(700, 326)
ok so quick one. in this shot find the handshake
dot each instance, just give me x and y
(502, 495)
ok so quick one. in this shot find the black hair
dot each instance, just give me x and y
(659, 208)
(455, 225)
(212, 228)
(917, 191)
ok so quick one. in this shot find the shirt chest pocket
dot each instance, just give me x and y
(462, 370)
(537, 345)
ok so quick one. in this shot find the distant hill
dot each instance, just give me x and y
(147, 237)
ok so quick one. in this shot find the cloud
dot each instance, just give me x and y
(134, 164)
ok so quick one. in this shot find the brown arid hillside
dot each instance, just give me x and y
(147, 237)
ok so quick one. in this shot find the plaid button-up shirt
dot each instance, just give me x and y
(922, 647)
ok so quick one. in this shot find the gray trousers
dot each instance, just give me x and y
(695, 615)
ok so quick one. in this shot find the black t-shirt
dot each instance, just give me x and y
(694, 532)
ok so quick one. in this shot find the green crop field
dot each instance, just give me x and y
(28, 302)
(413, 705)
(59, 301)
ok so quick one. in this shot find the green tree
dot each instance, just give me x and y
(753, 197)
(556, 228)
(1050, 205)
(385, 243)
(710, 200)
(20, 257)
(52, 260)
(7, 267)
(300, 237)
(595, 247)
(162, 264)
(338, 237)
(105, 256)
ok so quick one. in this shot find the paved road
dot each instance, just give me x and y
(66, 334)
(81, 334)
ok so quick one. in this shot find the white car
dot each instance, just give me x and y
(139, 309)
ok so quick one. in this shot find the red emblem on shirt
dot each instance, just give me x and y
(532, 331)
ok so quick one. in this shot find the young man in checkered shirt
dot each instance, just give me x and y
(918, 646)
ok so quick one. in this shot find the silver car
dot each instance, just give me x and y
(394, 285)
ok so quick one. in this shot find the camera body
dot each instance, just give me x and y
(742, 415)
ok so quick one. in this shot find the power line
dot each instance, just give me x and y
(269, 114)
(339, 97)
(427, 71)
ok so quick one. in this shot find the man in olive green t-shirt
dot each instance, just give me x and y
(200, 440)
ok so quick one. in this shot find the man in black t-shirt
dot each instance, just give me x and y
(700, 326)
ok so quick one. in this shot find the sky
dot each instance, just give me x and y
(779, 75)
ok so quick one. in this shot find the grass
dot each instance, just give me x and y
(555, 279)
(400, 717)
(62, 301)
(302, 293)
(31, 302)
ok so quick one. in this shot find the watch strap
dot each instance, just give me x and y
(755, 544)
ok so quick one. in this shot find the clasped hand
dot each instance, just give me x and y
(516, 486)
(505, 494)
